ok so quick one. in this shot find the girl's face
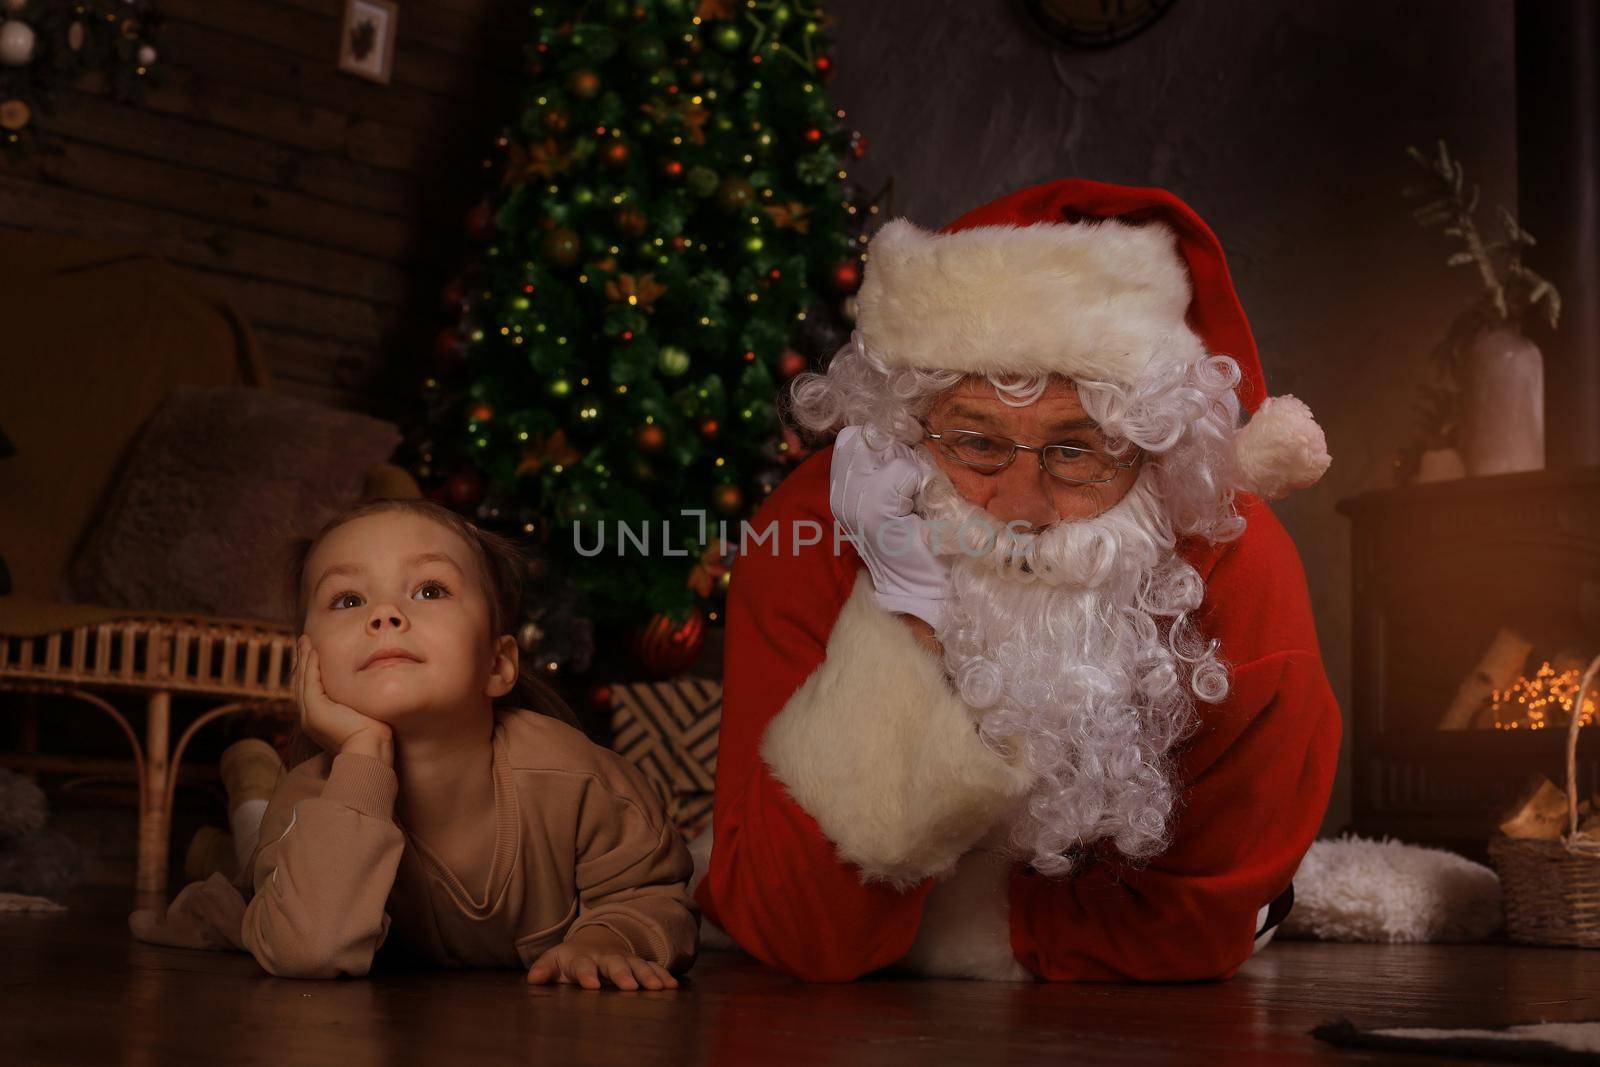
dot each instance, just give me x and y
(401, 583)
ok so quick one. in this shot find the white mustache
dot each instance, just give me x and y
(1081, 553)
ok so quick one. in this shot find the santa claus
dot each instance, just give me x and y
(1051, 705)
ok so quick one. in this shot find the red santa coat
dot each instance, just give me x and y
(850, 780)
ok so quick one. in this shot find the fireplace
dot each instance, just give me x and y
(1475, 604)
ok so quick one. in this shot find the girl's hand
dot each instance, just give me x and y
(576, 965)
(333, 726)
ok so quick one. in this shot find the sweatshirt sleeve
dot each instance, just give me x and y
(633, 870)
(324, 870)
(1256, 782)
(835, 724)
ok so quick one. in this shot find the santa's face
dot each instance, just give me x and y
(1023, 492)
(1078, 655)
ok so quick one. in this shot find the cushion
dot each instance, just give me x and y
(213, 489)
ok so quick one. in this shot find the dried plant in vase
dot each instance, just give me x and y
(1490, 406)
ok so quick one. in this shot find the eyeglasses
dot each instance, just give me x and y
(986, 452)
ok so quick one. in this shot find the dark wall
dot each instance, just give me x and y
(1284, 125)
(325, 207)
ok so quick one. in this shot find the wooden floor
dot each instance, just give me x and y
(74, 989)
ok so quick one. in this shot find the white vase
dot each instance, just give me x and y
(1440, 465)
(1502, 424)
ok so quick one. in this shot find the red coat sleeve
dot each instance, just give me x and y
(775, 882)
(1255, 779)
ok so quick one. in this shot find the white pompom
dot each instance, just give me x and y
(1281, 449)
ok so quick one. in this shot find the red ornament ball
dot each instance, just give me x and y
(464, 489)
(846, 277)
(735, 195)
(482, 413)
(584, 84)
(709, 428)
(560, 246)
(556, 120)
(650, 438)
(615, 153)
(631, 220)
(449, 347)
(824, 64)
(813, 135)
(791, 363)
(664, 646)
(728, 500)
(672, 168)
(454, 297)
(480, 222)
(600, 697)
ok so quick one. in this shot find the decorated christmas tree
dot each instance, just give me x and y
(670, 237)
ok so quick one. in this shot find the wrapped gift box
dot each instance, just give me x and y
(669, 731)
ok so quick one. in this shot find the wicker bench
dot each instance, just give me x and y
(245, 665)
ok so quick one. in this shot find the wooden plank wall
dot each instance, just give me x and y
(327, 208)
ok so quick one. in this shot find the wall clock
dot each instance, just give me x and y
(1095, 23)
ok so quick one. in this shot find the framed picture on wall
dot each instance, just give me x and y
(366, 46)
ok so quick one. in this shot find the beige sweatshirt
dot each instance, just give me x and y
(581, 845)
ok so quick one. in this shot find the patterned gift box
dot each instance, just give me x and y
(669, 731)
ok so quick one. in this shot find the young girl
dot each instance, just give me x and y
(432, 825)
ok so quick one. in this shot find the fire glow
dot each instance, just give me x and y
(1532, 703)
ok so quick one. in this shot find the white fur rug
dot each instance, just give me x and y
(1354, 889)
(1530, 1042)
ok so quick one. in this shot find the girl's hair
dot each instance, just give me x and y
(502, 572)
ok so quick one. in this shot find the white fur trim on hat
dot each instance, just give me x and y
(1281, 448)
(1098, 300)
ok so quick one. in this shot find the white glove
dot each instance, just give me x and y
(871, 490)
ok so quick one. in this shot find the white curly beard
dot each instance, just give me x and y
(1075, 648)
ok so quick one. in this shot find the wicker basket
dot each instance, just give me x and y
(1551, 889)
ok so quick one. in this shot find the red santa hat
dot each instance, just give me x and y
(1085, 280)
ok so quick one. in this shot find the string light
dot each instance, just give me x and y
(1531, 703)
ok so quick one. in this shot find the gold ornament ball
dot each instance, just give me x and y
(14, 114)
(673, 360)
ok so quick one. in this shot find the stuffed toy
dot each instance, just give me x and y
(34, 861)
